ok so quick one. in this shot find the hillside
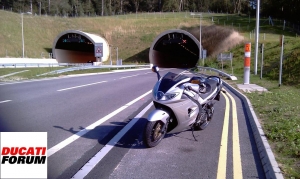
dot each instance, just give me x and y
(133, 35)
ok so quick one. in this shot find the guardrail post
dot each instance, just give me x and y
(222, 61)
(281, 58)
(231, 56)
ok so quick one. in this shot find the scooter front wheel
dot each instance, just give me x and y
(154, 133)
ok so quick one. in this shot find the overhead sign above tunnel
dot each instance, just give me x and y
(74, 46)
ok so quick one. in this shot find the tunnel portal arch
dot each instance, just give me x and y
(74, 46)
(174, 49)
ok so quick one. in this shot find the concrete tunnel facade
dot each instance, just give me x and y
(74, 46)
(171, 49)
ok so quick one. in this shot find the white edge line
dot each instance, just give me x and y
(101, 154)
(81, 86)
(13, 73)
(5, 101)
(74, 137)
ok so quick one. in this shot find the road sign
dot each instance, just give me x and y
(204, 54)
(98, 49)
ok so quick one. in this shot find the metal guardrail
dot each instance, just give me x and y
(28, 65)
(72, 66)
(83, 65)
(221, 73)
(94, 67)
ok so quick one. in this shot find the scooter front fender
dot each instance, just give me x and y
(158, 115)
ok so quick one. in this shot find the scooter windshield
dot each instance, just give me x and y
(169, 80)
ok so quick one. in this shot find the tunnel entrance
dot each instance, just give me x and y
(174, 49)
(74, 46)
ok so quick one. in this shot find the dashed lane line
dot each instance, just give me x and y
(74, 87)
(129, 76)
(5, 101)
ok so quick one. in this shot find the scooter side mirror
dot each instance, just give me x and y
(156, 70)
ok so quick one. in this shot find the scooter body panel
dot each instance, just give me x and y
(185, 112)
(171, 92)
(158, 115)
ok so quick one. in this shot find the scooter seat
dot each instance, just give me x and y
(211, 85)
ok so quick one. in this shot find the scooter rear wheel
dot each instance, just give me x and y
(154, 133)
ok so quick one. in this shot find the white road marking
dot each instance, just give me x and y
(5, 101)
(69, 76)
(30, 81)
(129, 76)
(85, 170)
(81, 86)
(74, 137)
(13, 73)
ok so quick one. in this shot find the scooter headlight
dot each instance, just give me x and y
(163, 97)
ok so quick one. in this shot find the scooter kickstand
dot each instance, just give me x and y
(193, 133)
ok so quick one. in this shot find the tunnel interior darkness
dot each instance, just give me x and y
(75, 42)
(76, 47)
(175, 50)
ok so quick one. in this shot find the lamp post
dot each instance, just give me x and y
(117, 53)
(110, 53)
(256, 37)
(22, 36)
(200, 39)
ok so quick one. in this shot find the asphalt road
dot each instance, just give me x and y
(82, 116)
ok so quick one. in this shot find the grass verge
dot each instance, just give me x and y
(278, 113)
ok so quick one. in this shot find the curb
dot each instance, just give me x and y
(270, 166)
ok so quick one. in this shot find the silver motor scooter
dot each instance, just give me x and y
(181, 102)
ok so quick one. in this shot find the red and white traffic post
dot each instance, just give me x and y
(247, 63)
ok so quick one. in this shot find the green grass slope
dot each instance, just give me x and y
(132, 34)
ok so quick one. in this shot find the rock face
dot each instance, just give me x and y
(217, 39)
(179, 48)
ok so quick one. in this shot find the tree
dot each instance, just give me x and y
(283, 9)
